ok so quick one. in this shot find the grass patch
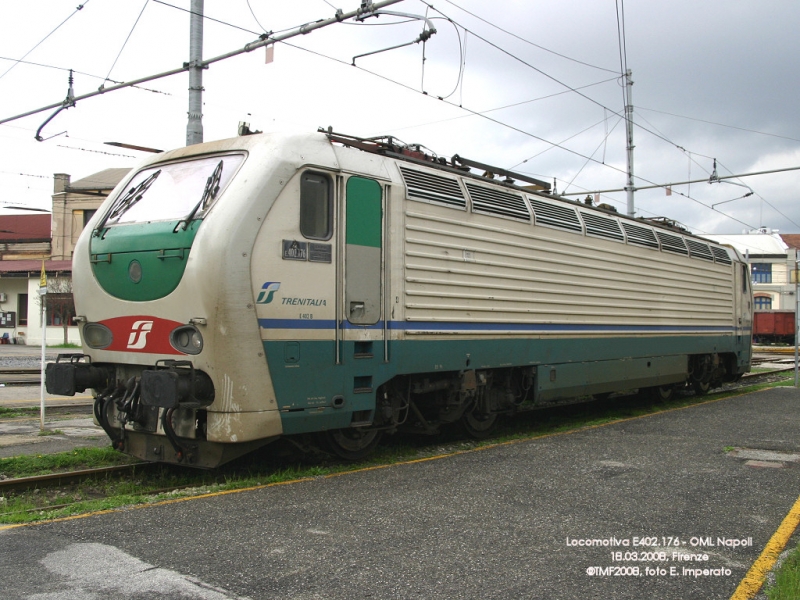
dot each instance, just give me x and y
(72, 346)
(787, 579)
(46, 432)
(81, 458)
(12, 413)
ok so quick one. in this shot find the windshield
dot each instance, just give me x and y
(175, 191)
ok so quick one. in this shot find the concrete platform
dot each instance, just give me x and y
(22, 436)
(68, 421)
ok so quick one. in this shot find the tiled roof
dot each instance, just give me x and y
(35, 266)
(25, 228)
(791, 239)
(102, 180)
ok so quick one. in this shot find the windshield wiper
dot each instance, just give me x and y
(125, 202)
(209, 195)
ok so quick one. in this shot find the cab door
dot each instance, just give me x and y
(363, 251)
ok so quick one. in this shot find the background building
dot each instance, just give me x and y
(772, 259)
(28, 241)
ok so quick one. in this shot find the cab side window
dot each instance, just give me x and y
(316, 206)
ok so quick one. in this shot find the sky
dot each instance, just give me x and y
(533, 86)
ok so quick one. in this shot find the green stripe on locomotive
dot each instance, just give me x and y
(306, 380)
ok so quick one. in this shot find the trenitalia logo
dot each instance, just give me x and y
(141, 333)
(267, 291)
(138, 337)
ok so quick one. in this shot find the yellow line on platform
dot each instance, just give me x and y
(755, 577)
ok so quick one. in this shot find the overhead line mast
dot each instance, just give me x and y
(629, 189)
(194, 128)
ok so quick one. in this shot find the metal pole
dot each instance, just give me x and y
(796, 320)
(194, 128)
(44, 345)
(629, 132)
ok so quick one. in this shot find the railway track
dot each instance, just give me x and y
(54, 481)
(24, 484)
(20, 376)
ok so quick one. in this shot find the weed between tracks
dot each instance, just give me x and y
(282, 461)
(13, 413)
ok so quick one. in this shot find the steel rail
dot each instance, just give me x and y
(23, 484)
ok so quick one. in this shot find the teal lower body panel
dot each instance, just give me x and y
(315, 394)
(570, 380)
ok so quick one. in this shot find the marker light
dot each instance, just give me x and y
(186, 339)
(97, 336)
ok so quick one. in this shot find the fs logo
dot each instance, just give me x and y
(138, 337)
(267, 291)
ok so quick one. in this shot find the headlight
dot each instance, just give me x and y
(97, 336)
(186, 339)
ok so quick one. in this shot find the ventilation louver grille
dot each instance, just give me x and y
(721, 255)
(671, 243)
(699, 250)
(602, 226)
(641, 236)
(497, 202)
(428, 187)
(559, 217)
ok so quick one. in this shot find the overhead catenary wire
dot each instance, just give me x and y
(36, 64)
(601, 144)
(468, 31)
(505, 106)
(624, 69)
(522, 39)
(76, 11)
(263, 40)
(541, 72)
(513, 128)
(125, 43)
(775, 135)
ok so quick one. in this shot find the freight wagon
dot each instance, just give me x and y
(773, 327)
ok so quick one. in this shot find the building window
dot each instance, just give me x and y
(316, 206)
(60, 309)
(87, 216)
(22, 309)
(763, 302)
(762, 272)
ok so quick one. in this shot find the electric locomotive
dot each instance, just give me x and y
(232, 292)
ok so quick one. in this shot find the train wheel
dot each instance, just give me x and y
(352, 443)
(701, 387)
(478, 425)
(662, 393)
